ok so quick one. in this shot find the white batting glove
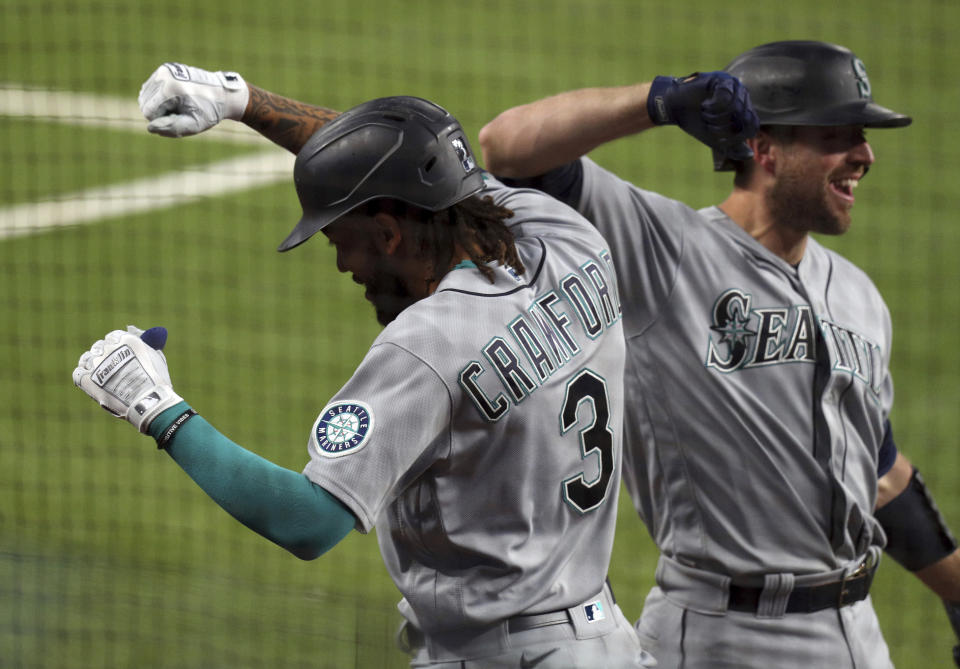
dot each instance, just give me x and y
(126, 373)
(181, 100)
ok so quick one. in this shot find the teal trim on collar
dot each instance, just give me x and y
(465, 264)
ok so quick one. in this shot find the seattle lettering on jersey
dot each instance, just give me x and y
(746, 337)
(545, 338)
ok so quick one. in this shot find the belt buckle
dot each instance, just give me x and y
(863, 569)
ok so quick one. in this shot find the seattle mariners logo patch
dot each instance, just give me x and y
(342, 428)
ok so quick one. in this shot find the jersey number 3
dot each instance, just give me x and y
(579, 493)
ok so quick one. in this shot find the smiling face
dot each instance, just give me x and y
(817, 170)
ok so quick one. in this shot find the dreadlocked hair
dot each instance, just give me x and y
(475, 224)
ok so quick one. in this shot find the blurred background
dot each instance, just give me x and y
(109, 555)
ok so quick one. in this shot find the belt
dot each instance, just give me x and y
(854, 587)
(536, 621)
(594, 617)
(522, 623)
(411, 637)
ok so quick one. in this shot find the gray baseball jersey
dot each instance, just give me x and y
(481, 434)
(757, 400)
(757, 392)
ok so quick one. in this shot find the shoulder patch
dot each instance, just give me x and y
(342, 428)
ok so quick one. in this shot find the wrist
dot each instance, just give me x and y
(144, 411)
(166, 418)
(657, 108)
(164, 440)
(227, 90)
(237, 95)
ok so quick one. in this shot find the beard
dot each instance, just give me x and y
(800, 200)
(389, 296)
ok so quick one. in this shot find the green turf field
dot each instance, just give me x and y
(109, 555)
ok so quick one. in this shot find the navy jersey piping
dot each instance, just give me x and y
(564, 183)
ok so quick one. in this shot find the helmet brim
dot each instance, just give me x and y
(865, 113)
(305, 228)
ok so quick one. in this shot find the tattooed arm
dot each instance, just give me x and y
(182, 100)
(283, 121)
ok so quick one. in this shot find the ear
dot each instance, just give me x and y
(765, 151)
(387, 232)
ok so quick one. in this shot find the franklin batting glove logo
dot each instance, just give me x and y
(178, 71)
(662, 114)
(110, 366)
(342, 428)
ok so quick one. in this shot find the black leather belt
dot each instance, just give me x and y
(807, 599)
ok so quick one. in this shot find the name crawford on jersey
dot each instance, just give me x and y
(544, 339)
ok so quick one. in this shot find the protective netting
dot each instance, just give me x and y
(109, 555)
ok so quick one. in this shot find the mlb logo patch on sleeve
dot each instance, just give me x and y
(342, 428)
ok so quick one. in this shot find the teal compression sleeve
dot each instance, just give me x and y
(280, 504)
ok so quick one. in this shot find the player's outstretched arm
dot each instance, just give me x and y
(126, 373)
(284, 121)
(277, 503)
(181, 100)
(533, 138)
(529, 140)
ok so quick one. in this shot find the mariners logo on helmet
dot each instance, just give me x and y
(863, 83)
(463, 153)
(808, 83)
(342, 428)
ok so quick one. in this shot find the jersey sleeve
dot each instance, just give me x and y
(562, 182)
(387, 425)
(536, 214)
(647, 234)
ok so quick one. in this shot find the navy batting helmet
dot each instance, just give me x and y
(802, 82)
(401, 147)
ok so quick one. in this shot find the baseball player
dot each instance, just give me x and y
(481, 432)
(758, 446)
